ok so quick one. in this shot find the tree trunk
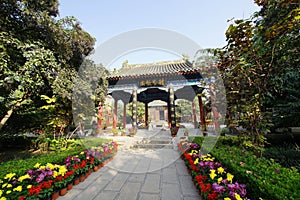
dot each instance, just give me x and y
(9, 113)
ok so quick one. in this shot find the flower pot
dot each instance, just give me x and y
(76, 181)
(70, 186)
(89, 172)
(123, 134)
(82, 178)
(63, 191)
(100, 165)
(55, 195)
(96, 168)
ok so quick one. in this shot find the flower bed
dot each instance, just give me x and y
(42, 181)
(264, 177)
(209, 176)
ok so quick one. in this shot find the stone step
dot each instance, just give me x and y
(153, 146)
(155, 141)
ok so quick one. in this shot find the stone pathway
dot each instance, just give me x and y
(138, 174)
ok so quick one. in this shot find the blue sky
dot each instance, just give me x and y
(205, 22)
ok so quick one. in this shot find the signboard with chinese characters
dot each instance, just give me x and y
(152, 82)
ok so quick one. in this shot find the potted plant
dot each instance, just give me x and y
(132, 131)
(186, 132)
(123, 132)
(174, 130)
(115, 131)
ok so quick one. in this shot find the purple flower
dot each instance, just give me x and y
(49, 173)
(218, 188)
(40, 178)
(194, 146)
(201, 164)
(194, 156)
(30, 172)
(217, 164)
(231, 194)
(224, 181)
(231, 187)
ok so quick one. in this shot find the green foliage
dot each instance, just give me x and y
(263, 177)
(39, 55)
(16, 142)
(21, 166)
(260, 68)
(286, 154)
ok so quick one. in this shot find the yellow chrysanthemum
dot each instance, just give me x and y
(220, 180)
(229, 177)
(22, 178)
(237, 196)
(50, 166)
(37, 165)
(3, 198)
(62, 170)
(4, 185)
(205, 158)
(227, 198)
(1, 181)
(81, 152)
(196, 161)
(9, 176)
(221, 170)
(194, 152)
(29, 186)
(8, 191)
(1, 192)
(42, 167)
(9, 185)
(212, 174)
(18, 189)
(55, 174)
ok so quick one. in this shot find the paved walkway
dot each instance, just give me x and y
(138, 174)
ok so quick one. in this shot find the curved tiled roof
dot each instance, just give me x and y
(167, 67)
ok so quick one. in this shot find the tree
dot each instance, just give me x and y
(262, 52)
(39, 55)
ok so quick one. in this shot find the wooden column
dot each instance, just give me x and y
(169, 114)
(124, 116)
(146, 115)
(194, 114)
(134, 108)
(202, 118)
(172, 106)
(115, 114)
(100, 117)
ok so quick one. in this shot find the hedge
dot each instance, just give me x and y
(263, 177)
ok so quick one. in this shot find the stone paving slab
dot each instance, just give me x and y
(145, 196)
(151, 184)
(141, 174)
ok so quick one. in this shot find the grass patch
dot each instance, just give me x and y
(23, 161)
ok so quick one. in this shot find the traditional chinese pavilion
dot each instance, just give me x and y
(165, 81)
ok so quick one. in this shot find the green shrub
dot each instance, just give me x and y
(16, 141)
(21, 166)
(263, 177)
(287, 154)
